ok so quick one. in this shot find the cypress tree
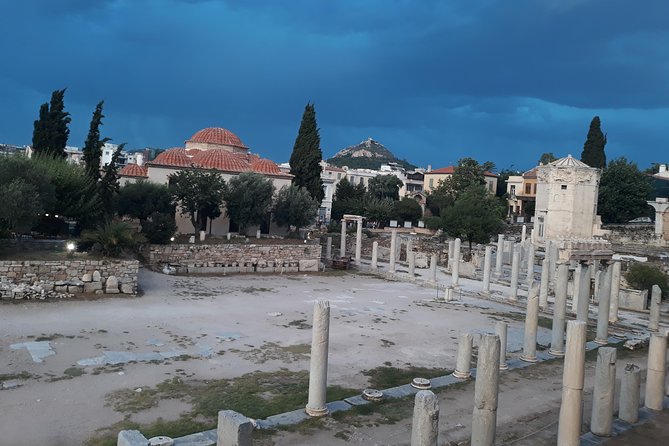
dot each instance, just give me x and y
(109, 184)
(58, 121)
(307, 155)
(93, 145)
(593, 150)
(40, 132)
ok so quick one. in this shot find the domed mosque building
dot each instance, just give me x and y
(211, 148)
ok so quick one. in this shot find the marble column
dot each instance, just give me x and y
(531, 326)
(543, 285)
(358, 242)
(601, 422)
(615, 291)
(328, 249)
(501, 330)
(604, 306)
(553, 261)
(523, 233)
(559, 310)
(657, 369)
(583, 295)
(451, 253)
(433, 268)
(411, 260)
(576, 288)
(375, 255)
(342, 243)
(486, 269)
(233, 429)
(499, 255)
(530, 263)
(571, 407)
(455, 269)
(515, 269)
(318, 370)
(629, 394)
(393, 244)
(425, 425)
(654, 317)
(486, 392)
(464, 360)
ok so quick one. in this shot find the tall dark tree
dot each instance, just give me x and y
(50, 130)
(109, 185)
(307, 155)
(547, 157)
(93, 145)
(593, 150)
(385, 186)
(468, 172)
(41, 130)
(198, 194)
(248, 199)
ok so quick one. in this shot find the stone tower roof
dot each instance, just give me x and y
(569, 161)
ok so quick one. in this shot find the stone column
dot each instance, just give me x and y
(342, 244)
(499, 256)
(576, 289)
(530, 263)
(463, 363)
(531, 325)
(411, 259)
(599, 276)
(318, 370)
(554, 256)
(543, 285)
(657, 369)
(486, 389)
(393, 244)
(451, 253)
(486, 269)
(571, 408)
(501, 329)
(559, 310)
(601, 421)
(523, 233)
(233, 429)
(583, 295)
(328, 249)
(654, 317)
(455, 269)
(375, 255)
(433, 268)
(425, 426)
(358, 242)
(603, 307)
(615, 291)
(515, 269)
(629, 394)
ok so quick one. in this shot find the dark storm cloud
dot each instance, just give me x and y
(433, 80)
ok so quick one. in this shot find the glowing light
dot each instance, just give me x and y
(70, 246)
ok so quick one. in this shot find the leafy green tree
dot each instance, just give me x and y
(593, 150)
(294, 206)
(348, 199)
(159, 228)
(345, 190)
(408, 209)
(50, 130)
(475, 216)
(248, 199)
(440, 197)
(468, 172)
(143, 198)
(385, 186)
(642, 276)
(307, 155)
(623, 191)
(378, 211)
(93, 145)
(198, 194)
(109, 185)
(21, 205)
(547, 158)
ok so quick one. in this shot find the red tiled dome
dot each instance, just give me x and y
(217, 135)
(262, 165)
(173, 157)
(133, 170)
(221, 160)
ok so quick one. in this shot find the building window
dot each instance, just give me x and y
(513, 189)
(431, 182)
(339, 176)
(563, 187)
(528, 189)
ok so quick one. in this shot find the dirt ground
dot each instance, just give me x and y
(225, 327)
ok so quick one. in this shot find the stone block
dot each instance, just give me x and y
(421, 260)
(92, 287)
(74, 289)
(127, 288)
(308, 265)
(96, 276)
(111, 285)
(87, 277)
(60, 288)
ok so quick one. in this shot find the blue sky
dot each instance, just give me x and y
(435, 81)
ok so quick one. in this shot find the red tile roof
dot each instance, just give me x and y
(133, 170)
(218, 159)
(174, 157)
(450, 169)
(217, 135)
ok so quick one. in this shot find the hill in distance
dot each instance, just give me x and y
(368, 154)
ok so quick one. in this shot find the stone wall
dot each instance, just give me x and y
(41, 279)
(233, 258)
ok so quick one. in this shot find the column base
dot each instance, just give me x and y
(462, 375)
(601, 341)
(316, 412)
(504, 366)
(558, 353)
(528, 358)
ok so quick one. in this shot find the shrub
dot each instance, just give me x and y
(112, 239)
(159, 228)
(642, 276)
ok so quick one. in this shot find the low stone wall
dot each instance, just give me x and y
(41, 279)
(233, 258)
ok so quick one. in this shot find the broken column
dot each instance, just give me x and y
(531, 324)
(486, 269)
(455, 269)
(615, 291)
(411, 259)
(499, 255)
(571, 408)
(425, 425)
(657, 368)
(530, 263)
(629, 394)
(451, 253)
(601, 421)
(576, 288)
(486, 389)
(375, 255)
(515, 269)
(233, 429)
(358, 241)
(543, 285)
(393, 244)
(433, 268)
(583, 295)
(501, 329)
(342, 244)
(603, 307)
(654, 317)
(523, 233)
(318, 370)
(463, 363)
(328, 249)
(559, 310)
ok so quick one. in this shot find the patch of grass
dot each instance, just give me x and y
(46, 337)
(300, 324)
(74, 371)
(254, 290)
(272, 351)
(185, 425)
(385, 377)
(13, 376)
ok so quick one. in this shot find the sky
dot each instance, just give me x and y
(432, 80)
